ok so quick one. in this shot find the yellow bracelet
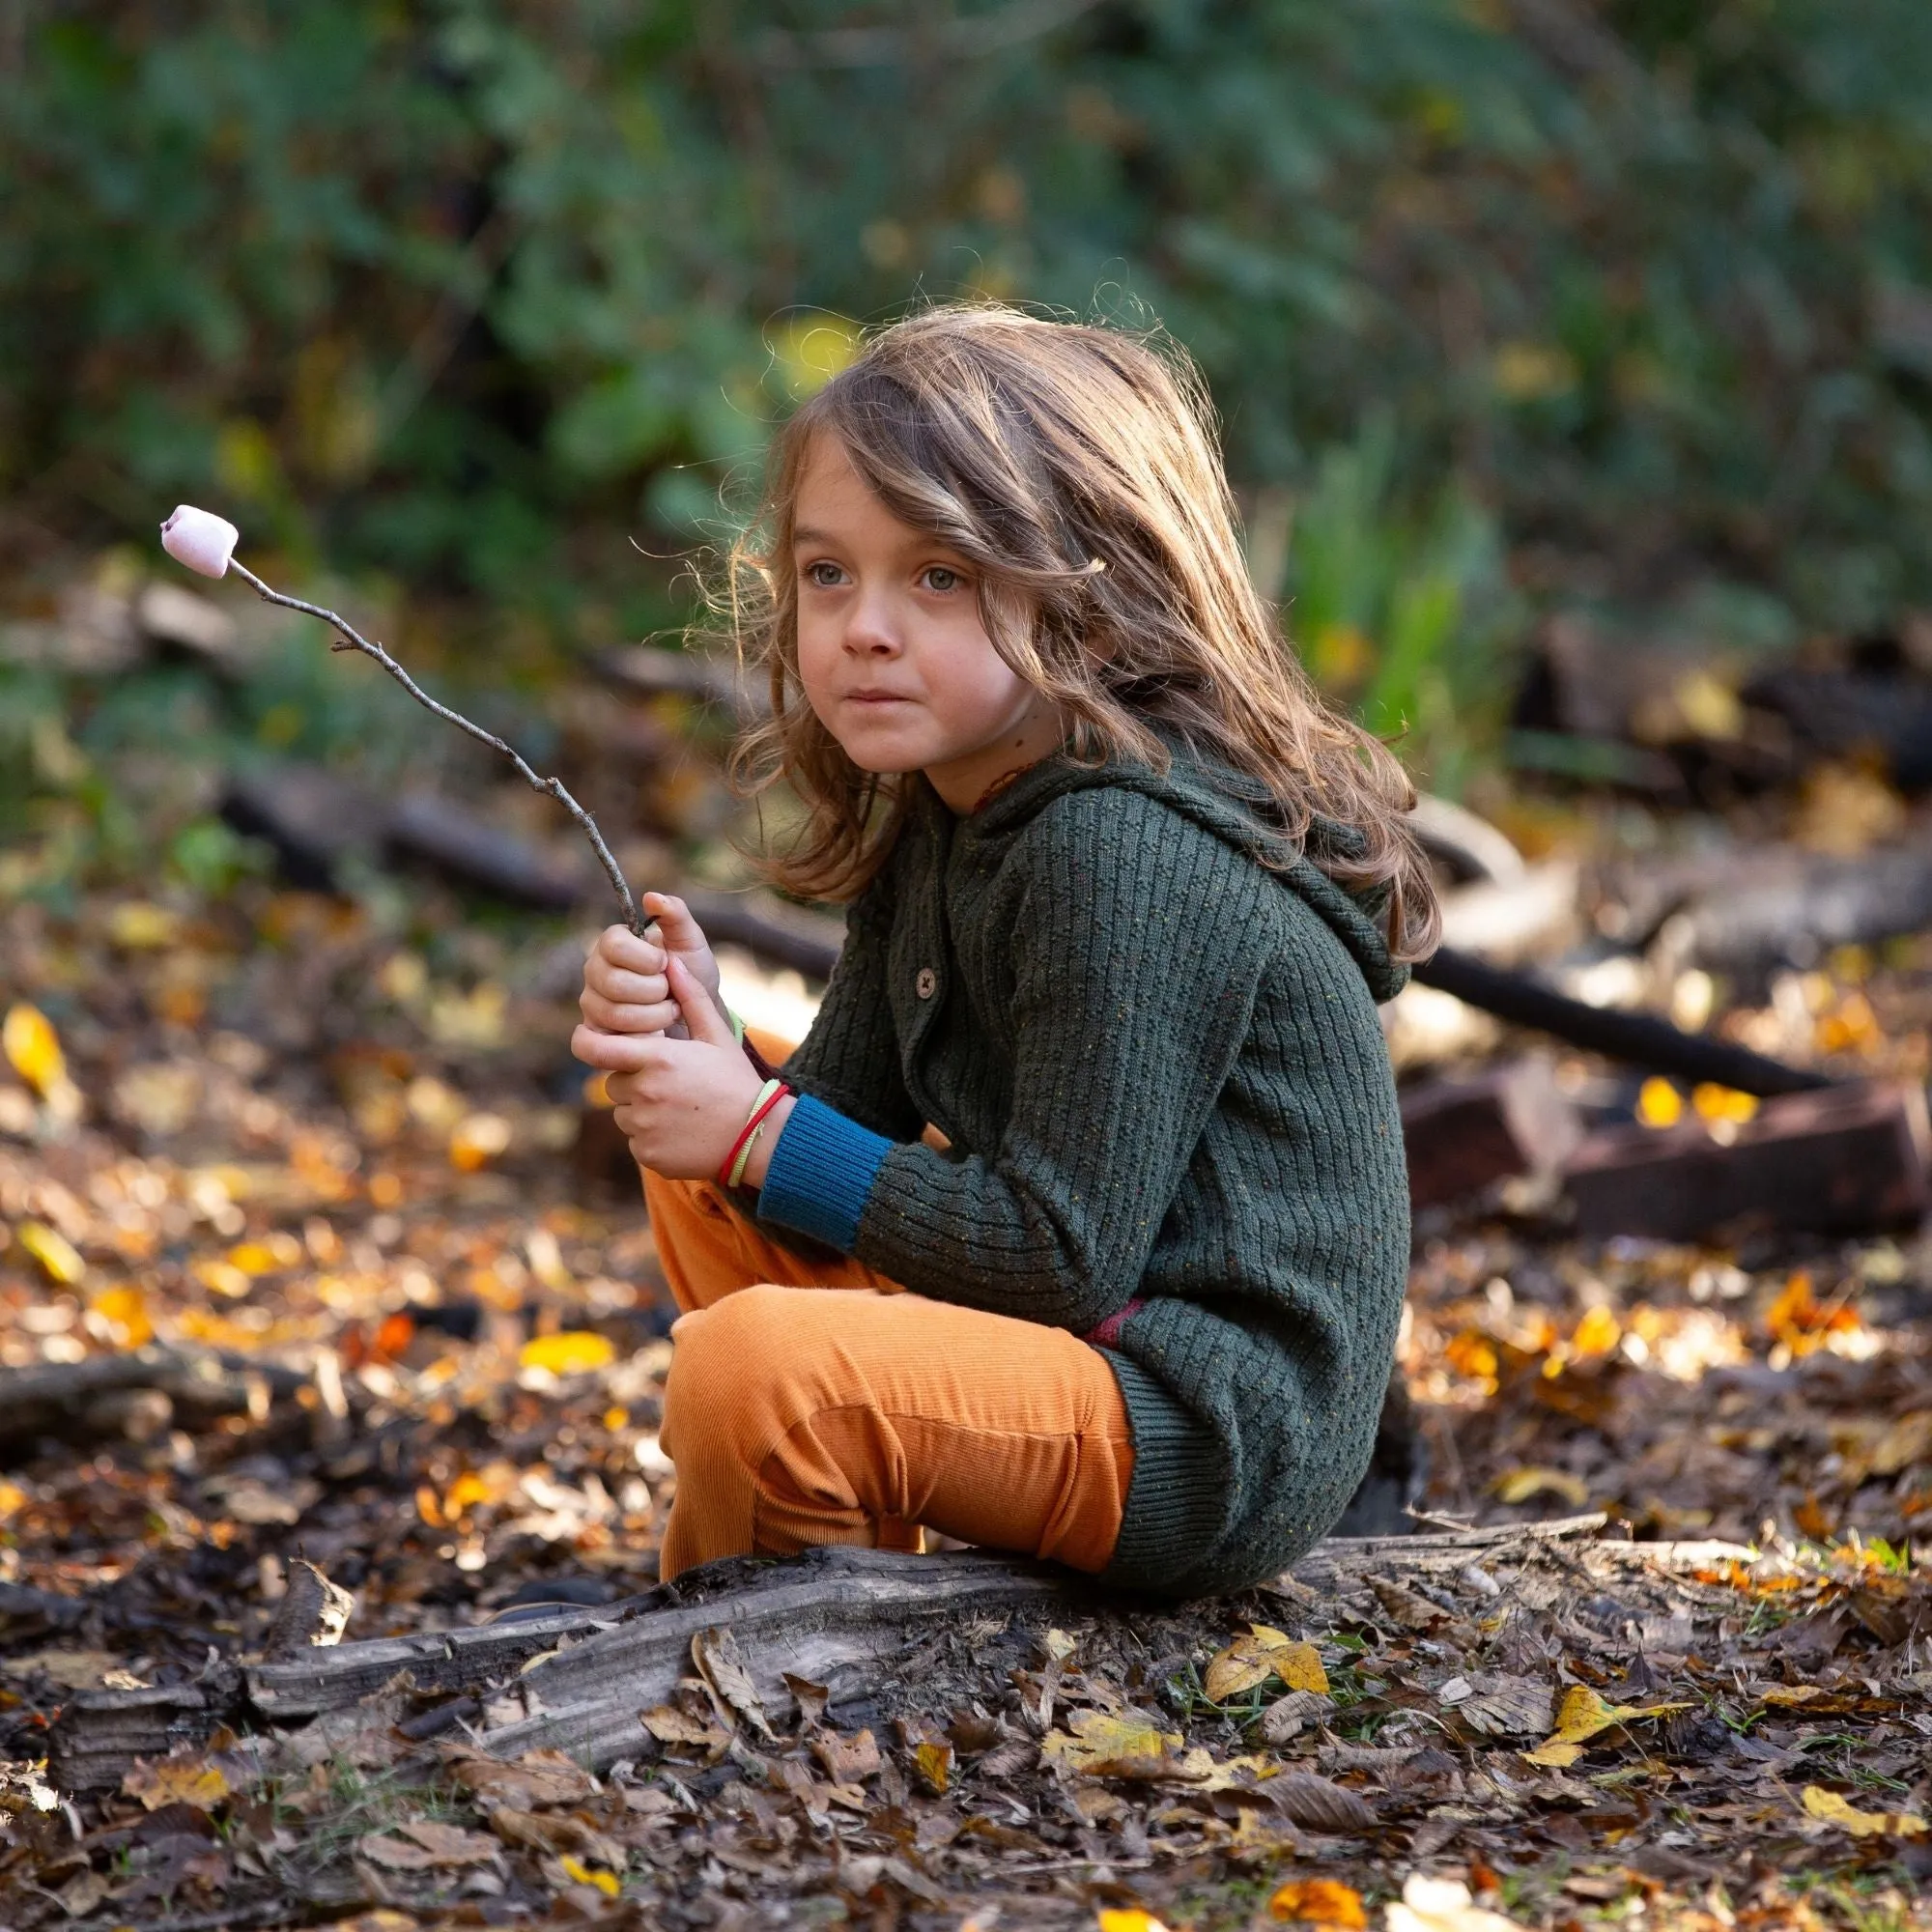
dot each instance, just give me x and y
(745, 1155)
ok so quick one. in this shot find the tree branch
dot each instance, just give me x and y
(353, 640)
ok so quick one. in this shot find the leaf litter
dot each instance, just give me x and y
(315, 1263)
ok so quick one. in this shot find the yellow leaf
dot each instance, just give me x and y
(1836, 1809)
(1556, 1756)
(54, 1252)
(1597, 1334)
(1658, 1104)
(575, 1351)
(188, 1780)
(137, 926)
(1319, 1901)
(125, 1312)
(12, 1499)
(1127, 1918)
(1519, 1486)
(33, 1048)
(1791, 1693)
(607, 1883)
(1100, 1739)
(935, 1766)
(1264, 1652)
(1580, 1715)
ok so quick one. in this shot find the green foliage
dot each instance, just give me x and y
(1408, 616)
(470, 294)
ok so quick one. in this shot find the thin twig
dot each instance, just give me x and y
(353, 640)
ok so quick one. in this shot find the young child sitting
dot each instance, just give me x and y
(1123, 895)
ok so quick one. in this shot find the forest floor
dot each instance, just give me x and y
(322, 1179)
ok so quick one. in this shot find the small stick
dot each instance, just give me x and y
(351, 638)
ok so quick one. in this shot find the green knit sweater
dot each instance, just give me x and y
(1173, 1127)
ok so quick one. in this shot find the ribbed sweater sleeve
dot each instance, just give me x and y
(849, 1060)
(1137, 947)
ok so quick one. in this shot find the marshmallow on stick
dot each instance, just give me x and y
(206, 543)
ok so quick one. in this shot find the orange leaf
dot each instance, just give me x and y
(1319, 1901)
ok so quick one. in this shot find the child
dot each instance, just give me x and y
(1123, 895)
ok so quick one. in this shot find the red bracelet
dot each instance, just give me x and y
(750, 1127)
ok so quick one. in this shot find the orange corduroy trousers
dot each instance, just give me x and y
(813, 1403)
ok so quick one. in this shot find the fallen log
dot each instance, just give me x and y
(1464, 1135)
(579, 1678)
(87, 1400)
(1849, 1160)
(1640, 1040)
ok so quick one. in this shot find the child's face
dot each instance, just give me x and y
(892, 650)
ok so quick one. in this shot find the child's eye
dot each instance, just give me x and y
(825, 576)
(938, 577)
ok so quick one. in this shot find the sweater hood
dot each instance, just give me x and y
(1232, 806)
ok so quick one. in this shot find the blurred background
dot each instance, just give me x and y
(1515, 310)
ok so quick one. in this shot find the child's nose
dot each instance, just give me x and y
(874, 626)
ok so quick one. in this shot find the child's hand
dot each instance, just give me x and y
(679, 1102)
(624, 984)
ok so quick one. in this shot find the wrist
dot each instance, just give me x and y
(772, 1127)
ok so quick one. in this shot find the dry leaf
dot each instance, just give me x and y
(812, 1697)
(185, 1778)
(33, 1048)
(670, 1725)
(1836, 1809)
(576, 1352)
(1100, 1746)
(1264, 1652)
(1313, 1801)
(1500, 1705)
(715, 1652)
(1522, 1486)
(59, 1258)
(847, 1760)
(1583, 1714)
(1286, 1717)
(71, 1669)
(934, 1763)
(607, 1883)
(1319, 1901)
(450, 1844)
(534, 1780)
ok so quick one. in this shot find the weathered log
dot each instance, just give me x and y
(1848, 1161)
(1463, 1136)
(78, 1399)
(579, 1678)
(100, 1733)
(1640, 1040)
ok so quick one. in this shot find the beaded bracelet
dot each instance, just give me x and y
(733, 1170)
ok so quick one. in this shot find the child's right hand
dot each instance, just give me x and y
(625, 989)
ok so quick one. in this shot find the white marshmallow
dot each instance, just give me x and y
(200, 539)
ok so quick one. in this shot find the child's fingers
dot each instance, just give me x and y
(616, 1052)
(646, 1015)
(681, 932)
(620, 949)
(700, 1011)
(623, 985)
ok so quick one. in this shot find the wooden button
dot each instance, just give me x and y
(927, 982)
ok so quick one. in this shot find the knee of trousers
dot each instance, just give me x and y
(737, 1385)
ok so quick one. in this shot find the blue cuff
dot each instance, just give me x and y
(820, 1173)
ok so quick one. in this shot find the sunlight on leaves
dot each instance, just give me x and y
(575, 1351)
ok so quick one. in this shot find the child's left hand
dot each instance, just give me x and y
(679, 1102)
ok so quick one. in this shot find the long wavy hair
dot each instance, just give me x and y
(1076, 469)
